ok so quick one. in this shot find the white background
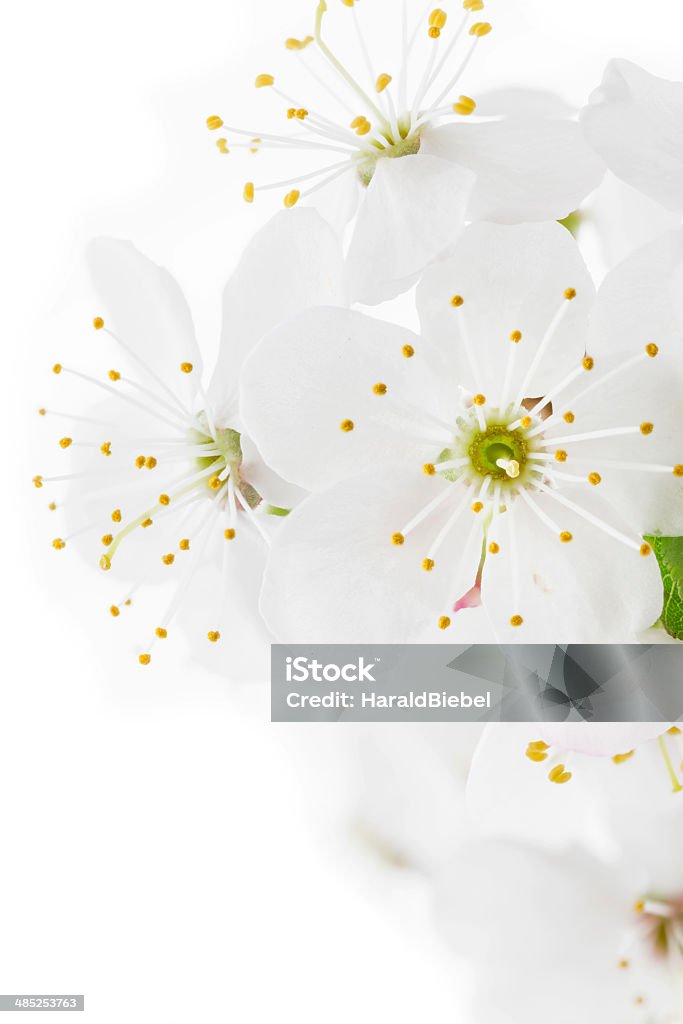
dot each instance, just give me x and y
(160, 848)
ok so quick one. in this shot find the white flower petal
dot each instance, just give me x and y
(414, 209)
(511, 279)
(527, 168)
(599, 739)
(635, 121)
(272, 488)
(291, 264)
(316, 372)
(334, 575)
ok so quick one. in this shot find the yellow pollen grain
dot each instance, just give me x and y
(525, 422)
(98, 323)
(114, 375)
(248, 192)
(379, 389)
(477, 507)
(639, 906)
(186, 367)
(429, 469)
(222, 145)
(105, 563)
(213, 635)
(263, 81)
(516, 337)
(347, 426)
(116, 515)
(106, 448)
(107, 539)
(645, 550)
(457, 301)
(229, 534)
(678, 470)
(408, 351)
(42, 412)
(65, 442)
(397, 539)
(560, 455)
(465, 106)
(58, 544)
(646, 428)
(161, 632)
(588, 362)
(292, 198)
(382, 82)
(140, 461)
(594, 479)
(444, 622)
(37, 482)
(215, 483)
(516, 620)
(620, 758)
(168, 559)
(164, 499)
(433, 32)
(298, 44)
(184, 544)
(57, 368)
(569, 417)
(559, 775)
(428, 564)
(494, 548)
(623, 964)
(146, 523)
(214, 122)
(52, 506)
(115, 611)
(479, 400)
(566, 537)
(144, 659)
(570, 293)
(652, 349)
(150, 462)
(481, 28)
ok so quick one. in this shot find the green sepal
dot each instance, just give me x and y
(669, 554)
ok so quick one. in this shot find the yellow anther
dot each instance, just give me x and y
(620, 758)
(164, 499)
(361, 125)
(438, 18)
(347, 426)
(525, 422)
(348, 3)
(477, 507)
(42, 412)
(465, 106)
(588, 362)
(473, 5)
(301, 114)
(646, 428)
(186, 367)
(566, 536)
(146, 523)
(673, 731)
(379, 389)
(58, 543)
(479, 400)
(184, 544)
(254, 148)
(408, 351)
(115, 611)
(428, 564)
(263, 81)
(494, 548)
(213, 635)
(481, 28)
(398, 539)
(222, 145)
(161, 632)
(457, 301)
(678, 470)
(516, 620)
(298, 44)
(645, 550)
(214, 122)
(105, 563)
(144, 659)
(535, 755)
(98, 323)
(652, 349)
(433, 32)
(116, 515)
(639, 906)
(570, 293)
(429, 469)
(168, 559)
(560, 455)
(559, 775)
(444, 622)
(128, 601)
(57, 368)
(538, 745)
(229, 534)
(569, 417)
(292, 198)
(150, 462)
(623, 964)
(38, 481)
(382, 82)
(52, 506)
(66, 442)
(106, 448)
(140, 461)
(594, 479)
(107, 539)
(114, 375)
(248, 192)
(215, 483)
(516, 336)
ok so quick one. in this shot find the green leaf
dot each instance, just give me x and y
(669, 553)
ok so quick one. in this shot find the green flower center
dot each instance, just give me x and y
(496, 445)
(389, 147)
